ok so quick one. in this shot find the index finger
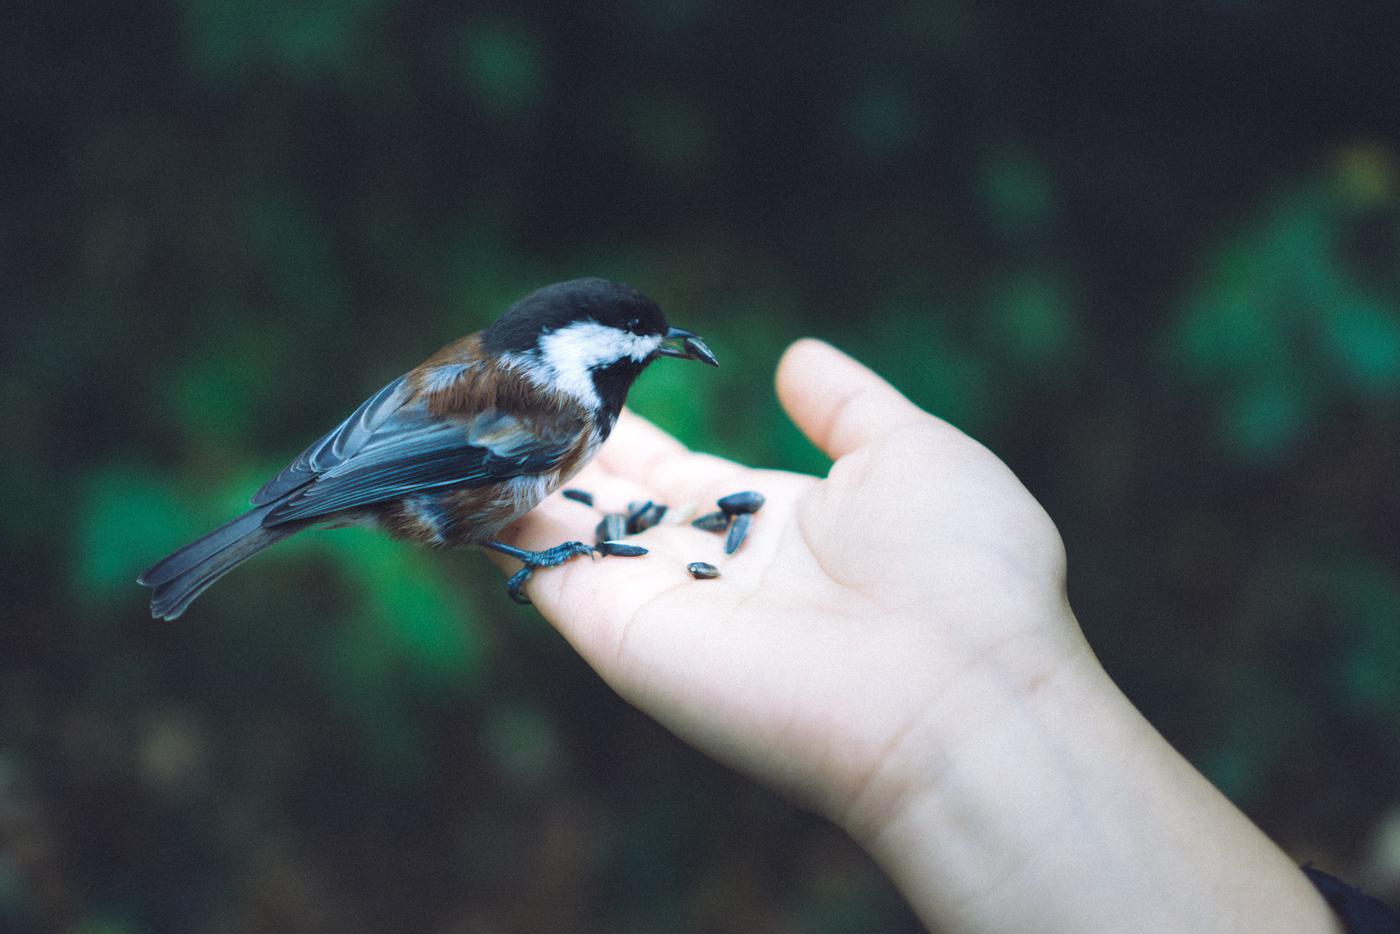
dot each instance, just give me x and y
(591, 600)
(642, 453)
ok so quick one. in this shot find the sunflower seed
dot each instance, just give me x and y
(711, 522)
(737, 531)
(702, 571)
(621, 550)
(579, 496)
(740, 503)
(612, 528)
(645, 517)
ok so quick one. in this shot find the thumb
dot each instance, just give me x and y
(839, 404)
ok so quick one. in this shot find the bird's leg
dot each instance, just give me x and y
(536, 559)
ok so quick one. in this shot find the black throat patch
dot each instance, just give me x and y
(612, 382)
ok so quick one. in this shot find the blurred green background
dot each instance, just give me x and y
(1147, 253)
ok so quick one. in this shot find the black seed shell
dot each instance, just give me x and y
(621, 549)
(702, 571)
(579, 496)
(740, 503)
(644, 517)
(612, 528)
(738, 530)
(711, 522)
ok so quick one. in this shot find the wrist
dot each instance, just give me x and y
(985, 808)
(1002, 704)
(983, 743)
(1059, 808)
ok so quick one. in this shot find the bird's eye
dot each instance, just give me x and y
(634, 324)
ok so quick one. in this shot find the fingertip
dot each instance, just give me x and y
(838, 402)
(803, 358)
(811, 367)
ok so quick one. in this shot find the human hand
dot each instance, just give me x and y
(843, 634)
(893, 646)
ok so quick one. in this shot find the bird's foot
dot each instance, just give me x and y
(516, 582)
(532, 560)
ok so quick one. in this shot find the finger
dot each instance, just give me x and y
(559, 519)
(586, 595)
(636, 444)
(838, 403)
(552, 522)
(642, 453)
(590, 600)
(610, 492)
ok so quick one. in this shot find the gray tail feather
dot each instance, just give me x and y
(184, 575)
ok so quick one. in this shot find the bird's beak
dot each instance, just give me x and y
(686, 346)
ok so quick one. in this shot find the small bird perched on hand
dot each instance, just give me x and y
(458, 448)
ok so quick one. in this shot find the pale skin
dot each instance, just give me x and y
(893, 647)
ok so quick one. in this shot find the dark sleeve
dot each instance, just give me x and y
(1360, 913)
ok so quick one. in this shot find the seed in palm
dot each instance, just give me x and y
(711, 522)
(738, 531)
(702, 571)
(644, 517)
(736, 504)
(621, 549)
(611, 529)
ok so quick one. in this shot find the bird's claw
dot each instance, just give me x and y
(517, 581)
(548, 558)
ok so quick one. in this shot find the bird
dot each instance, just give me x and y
(464, 444)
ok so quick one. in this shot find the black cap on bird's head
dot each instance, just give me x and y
(556, 306)
(589, 338)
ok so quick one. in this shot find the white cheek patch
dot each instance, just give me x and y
(569, 355)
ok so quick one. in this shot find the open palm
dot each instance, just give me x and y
(795, 665)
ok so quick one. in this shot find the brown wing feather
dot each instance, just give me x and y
(454, 384)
